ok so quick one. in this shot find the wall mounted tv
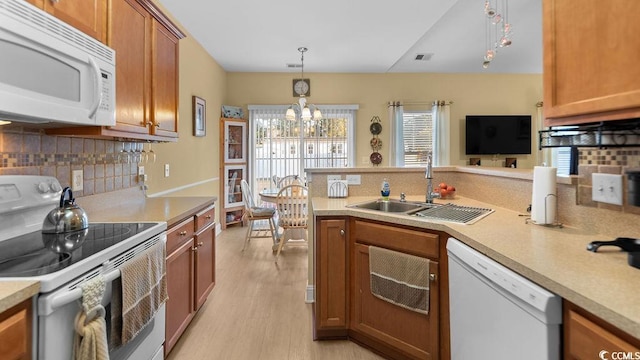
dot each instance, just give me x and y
(498, 134)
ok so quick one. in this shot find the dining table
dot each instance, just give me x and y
(270, 195)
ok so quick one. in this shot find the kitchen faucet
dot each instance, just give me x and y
(429, 176)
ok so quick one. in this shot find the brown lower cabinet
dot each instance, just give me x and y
(15, 331)
(345, 306)
(586, 336)
(190, 271)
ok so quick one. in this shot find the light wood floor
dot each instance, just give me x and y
(257, 310)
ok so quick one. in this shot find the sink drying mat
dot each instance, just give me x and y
(455, 213)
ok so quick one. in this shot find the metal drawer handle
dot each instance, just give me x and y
(433, 277)
(208, 217)
(182, 233)
(200, 244)
(194, 249)
(342, 232)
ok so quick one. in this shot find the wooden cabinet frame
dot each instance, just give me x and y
(233, 158)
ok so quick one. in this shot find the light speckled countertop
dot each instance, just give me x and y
(555, 258)
(14, 292)
(120, 207)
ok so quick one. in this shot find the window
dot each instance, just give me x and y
(281, 147)
(417, 129)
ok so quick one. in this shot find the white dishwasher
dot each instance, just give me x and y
(497, 314)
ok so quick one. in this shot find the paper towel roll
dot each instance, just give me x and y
(543, 199)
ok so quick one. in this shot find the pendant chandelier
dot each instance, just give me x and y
(497, 28)
(301, 107)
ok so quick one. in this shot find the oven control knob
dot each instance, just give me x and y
(43, 188)
(55, 187)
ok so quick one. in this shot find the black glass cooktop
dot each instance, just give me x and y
(39, 254)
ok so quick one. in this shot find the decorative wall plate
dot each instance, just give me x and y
(376, 143)
(375, 158)
(375, 128)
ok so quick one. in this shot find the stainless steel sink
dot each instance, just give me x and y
(393, 206)
(441, 212)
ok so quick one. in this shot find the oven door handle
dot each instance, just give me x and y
(76, 294)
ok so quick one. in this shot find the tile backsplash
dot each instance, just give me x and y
(31, 152)
(609, 161)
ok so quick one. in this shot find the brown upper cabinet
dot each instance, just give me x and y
(146, 45)
(88, 16)
(591, 65)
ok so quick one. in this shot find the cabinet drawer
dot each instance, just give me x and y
(205, 217)
(415, 242)
(179, 234)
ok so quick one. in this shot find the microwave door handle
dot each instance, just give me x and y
(97, 89)
(72, 295)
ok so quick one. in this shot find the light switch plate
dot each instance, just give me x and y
(607, 188)
(353, 179)
(166, 170)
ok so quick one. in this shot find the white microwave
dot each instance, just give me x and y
(51, 72)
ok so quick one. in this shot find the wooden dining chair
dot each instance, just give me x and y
(253, 213)
(291, 204)
(290, 180)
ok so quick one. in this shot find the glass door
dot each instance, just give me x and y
(233, 174)
(235, 145)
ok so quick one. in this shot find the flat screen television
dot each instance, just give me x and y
(498, 134)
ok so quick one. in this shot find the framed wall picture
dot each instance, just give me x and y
(199, 116)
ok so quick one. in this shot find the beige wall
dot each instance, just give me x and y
(471, 94)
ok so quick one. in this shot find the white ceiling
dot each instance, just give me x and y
(359, 36)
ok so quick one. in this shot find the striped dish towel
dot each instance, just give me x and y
(143, 291)
(400, 279)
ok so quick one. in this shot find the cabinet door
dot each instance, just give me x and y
(233, 174)
(590, 61)
(15, 331)
(585, 339)
(164, 82)
(179, 307)
(205, 265)
(235, 145)
(88, 16)
(331, 276)
(413, 335)
(130, 28)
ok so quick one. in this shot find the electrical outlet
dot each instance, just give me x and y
(353, 179)
(166, 170)
(140, 170)
(607, 188)
(77, 180)
(334, 177)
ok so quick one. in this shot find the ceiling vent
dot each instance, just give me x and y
(292, 66)
(423, 57)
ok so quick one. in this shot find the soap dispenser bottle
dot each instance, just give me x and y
(385, 190)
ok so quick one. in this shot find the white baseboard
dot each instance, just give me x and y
(310, 294)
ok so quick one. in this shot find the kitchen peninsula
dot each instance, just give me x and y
(556, 258)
